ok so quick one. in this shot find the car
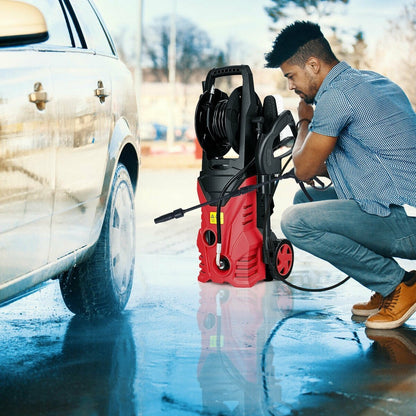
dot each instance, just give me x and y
(69, 156)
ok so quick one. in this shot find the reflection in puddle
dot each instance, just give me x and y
(235, 324)
(261, 356)
(92, 374)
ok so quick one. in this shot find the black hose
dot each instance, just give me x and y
(221, 202)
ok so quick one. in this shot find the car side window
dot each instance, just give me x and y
(96, 37)
(55, 21)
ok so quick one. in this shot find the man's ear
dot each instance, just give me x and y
(314, 64)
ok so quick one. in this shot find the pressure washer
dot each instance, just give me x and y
(243, 159)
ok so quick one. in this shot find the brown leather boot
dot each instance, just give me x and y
(397, 307)
(368, 308)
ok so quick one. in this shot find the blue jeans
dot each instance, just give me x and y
(359, 244)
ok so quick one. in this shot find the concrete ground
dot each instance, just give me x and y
(188, 348)
(268, 349)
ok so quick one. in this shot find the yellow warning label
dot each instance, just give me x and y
(215, 342)
(213, 217)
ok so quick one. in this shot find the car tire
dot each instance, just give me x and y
(101, 285)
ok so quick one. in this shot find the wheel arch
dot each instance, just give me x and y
(130, 160)
(123, 147)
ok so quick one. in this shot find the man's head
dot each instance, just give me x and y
(305, 57)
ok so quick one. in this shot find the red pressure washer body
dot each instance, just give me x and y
(235, 190)
(223, 123)
(242, 241)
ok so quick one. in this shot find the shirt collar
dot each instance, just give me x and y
(332, 74)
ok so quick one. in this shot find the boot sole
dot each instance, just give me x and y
(391, 324)
(363, 312)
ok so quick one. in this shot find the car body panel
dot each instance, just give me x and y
(81, 152)
(27, 137)
(68, 116)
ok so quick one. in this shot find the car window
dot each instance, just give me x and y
(55, 21)
(74, 33)
(95, 36)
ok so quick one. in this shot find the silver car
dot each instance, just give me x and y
(69, 156)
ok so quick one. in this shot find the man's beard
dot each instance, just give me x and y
(307, 98)
(313, 89)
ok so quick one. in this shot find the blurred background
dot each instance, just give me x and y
(170, 45)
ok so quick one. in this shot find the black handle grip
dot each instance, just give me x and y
(178, 213)
(229, 70)
(243, 70)
(266, 162)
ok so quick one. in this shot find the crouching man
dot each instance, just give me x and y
(362, 134)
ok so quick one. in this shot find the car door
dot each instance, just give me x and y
(26, 161)
(86, 122)
(30, 132)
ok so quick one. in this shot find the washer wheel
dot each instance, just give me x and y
(282, 258)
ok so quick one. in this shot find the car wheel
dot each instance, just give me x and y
(101, 285)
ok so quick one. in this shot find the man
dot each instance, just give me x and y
(362, 133)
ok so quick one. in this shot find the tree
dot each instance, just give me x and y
(336, 44)
(194, 50)
(125, 41)
(156, 47)
(321, 7)
(359, 57)
(396, 57)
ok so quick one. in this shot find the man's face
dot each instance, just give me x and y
(302, 80)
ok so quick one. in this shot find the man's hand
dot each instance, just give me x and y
(305, 111)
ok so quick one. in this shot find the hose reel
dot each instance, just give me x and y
(218, 119)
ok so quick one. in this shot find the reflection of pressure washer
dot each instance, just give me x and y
(235, 240)
(229, 368)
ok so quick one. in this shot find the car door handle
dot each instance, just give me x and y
(101, 92)
(39, 96)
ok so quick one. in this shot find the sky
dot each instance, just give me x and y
(246, 22)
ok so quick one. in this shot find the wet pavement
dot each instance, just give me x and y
(189, 348)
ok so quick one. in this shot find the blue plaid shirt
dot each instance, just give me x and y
(374, 159)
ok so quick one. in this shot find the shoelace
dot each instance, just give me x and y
(391, 300)
(374, 296)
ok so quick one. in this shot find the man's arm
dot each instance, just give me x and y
(311, 149)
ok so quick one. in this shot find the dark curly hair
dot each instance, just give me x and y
(298, 42)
